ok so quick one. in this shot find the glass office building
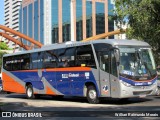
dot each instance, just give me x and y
(56, 21)
(11, 18)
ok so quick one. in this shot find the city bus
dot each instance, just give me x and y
(106, 68)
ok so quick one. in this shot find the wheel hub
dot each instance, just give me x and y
(92, 94)
(29, 92)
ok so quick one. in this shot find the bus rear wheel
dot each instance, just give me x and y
(92, 95)
(30, 92)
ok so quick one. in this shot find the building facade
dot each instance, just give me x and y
(57, 21)
(11, 9)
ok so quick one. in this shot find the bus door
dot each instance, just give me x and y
(107, 73)
(104, 73)
(114, 81)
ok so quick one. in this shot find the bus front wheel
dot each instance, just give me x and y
(30, 92)
(92, 95)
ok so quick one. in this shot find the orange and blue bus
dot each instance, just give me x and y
(95, 69)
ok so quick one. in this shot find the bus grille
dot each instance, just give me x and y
(142, 92)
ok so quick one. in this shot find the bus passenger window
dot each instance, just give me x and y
(65, 64)
(25, 62)
(7, 62)
(66, 57)
(37, 60)
(85, 57)
(50, 59)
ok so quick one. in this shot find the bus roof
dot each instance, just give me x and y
(113, 42)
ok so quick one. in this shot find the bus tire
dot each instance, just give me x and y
(30, 92)
(92, 95)
(158, 91)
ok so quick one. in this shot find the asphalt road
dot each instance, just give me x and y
(135, 108)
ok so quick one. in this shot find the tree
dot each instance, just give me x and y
(143, 19)
(3, 46)
(1, 55)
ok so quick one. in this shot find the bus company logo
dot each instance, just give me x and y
(70, 75)
(64, 75)
(105, 89)
(73, 75)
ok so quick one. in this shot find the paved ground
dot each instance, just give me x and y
(79, 107)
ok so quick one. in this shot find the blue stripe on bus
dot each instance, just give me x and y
(136, 83)
(66, 82)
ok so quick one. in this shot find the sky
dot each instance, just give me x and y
(1, 12)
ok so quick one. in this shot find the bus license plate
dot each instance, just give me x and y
(142, 96)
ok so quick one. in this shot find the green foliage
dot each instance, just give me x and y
(1, 55)
(3, 46)
(143, 19)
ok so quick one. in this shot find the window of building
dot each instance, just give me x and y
(88, 18)
(100, 18)
(30, 20)
(79, 29)
(42, 21)
(55, 30)
(20, 20)
(66, 19)
(25, 23)
(36, 7)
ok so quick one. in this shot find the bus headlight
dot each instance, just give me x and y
(126, 84)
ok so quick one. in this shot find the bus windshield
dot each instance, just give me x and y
(136, 62)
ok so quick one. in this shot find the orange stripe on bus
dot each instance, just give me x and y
(70, 69)
(49, 91)
(9, 84)
(59, 69)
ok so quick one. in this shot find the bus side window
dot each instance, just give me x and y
(50, 59)
(66, 57)
(25, 62)
(37, 60)
(85, 57)
(16, 65)
(7, 62)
